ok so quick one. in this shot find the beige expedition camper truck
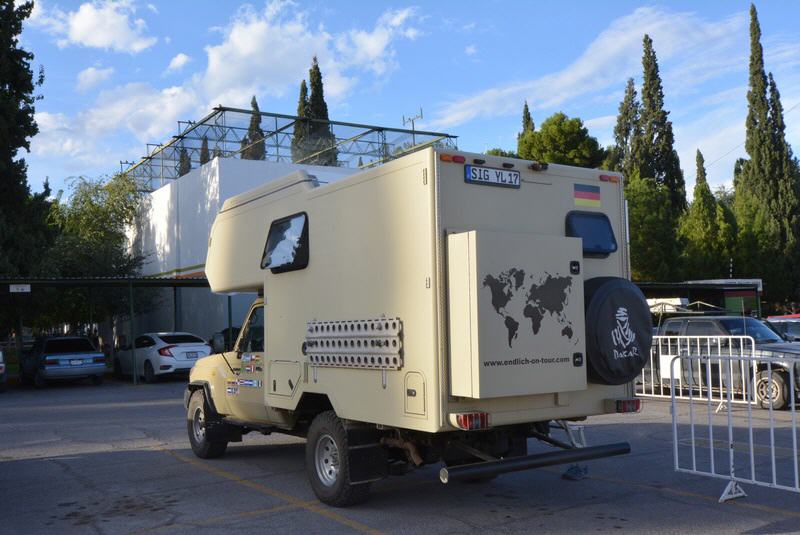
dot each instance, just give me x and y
(442, 307)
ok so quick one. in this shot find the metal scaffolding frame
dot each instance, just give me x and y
(225, 129)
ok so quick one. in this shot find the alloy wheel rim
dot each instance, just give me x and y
(327, 460)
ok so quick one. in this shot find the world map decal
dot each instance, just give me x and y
(538, 299)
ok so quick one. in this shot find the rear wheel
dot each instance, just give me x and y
(327, 463)
(149, 373)
(779, 390)
(197, 419)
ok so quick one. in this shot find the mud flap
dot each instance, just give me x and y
(366, 456)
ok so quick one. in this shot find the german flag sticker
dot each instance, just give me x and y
(586, 195)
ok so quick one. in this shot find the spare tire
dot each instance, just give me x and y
(619, 330)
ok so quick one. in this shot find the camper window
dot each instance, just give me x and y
(595, 229)
(287, 244)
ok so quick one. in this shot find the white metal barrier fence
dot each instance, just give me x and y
(722, 432)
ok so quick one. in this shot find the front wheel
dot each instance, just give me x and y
(779, 390)
(196, 420)
(327, 463)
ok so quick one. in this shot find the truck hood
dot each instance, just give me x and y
(778, 349)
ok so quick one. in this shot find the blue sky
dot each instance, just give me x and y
(121, 73)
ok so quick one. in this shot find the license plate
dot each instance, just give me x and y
(76, 362)
(191, 354)
(491, 177)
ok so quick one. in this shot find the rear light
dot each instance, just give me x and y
(2, 367)
(51, 362)
(471, 421)
(627, 405)
(99, 359)
(459, 159)
(609, 178)
(165, 351)
(455, 158)
(446, 157)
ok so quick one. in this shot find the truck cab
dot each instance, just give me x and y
(440, 308)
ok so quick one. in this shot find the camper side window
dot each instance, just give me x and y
(595, 229)
(287, 244)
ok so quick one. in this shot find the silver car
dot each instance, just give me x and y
(66, 357)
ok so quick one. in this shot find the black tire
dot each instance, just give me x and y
(97, 380)
(780, 385)
(327, 463)
(118, 370)
(196, 425)
(149, 373)
(39, 381)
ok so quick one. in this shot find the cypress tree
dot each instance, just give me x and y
(17, 86)
(300, 137)
(653, 149)
(320, 135)
(619, 155)
(652, 235)
(253, 143)
(360, 162)
(204, 156)
(527, 120)
(700, 233)
(184, 163)
(766, 201)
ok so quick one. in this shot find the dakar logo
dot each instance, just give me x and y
(623, 336)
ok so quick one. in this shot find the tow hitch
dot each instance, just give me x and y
(528, 462)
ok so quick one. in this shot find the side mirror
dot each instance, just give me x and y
(218, 342)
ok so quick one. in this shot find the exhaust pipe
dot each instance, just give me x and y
(539, 460)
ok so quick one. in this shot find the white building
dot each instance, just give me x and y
(173, 229)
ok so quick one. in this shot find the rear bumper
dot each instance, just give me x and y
(175, 367)
(66, 372)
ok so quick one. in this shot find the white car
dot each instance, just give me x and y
(161, 354)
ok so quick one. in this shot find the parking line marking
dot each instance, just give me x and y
(218, 519)
(690, 494)
(313, 507)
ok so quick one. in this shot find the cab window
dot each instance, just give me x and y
(672, 328)
(595, 230)
(252, 338)
(702, 328)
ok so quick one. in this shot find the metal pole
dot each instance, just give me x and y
(174, 308)
(133, 335)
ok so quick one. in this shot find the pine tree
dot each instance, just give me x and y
(204, 156)
(320, 136)
(253, 147)
(17, 86)
(699, 232)
(184, 163)
(653, 151)
(619, 155)
(360, 162)
(561, 140)
(300, 137)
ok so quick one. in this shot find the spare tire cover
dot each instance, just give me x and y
(619, 330)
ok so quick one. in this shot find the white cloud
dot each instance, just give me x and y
(105, 24)
(152, 8)
(269, 52)
(613, 56)
(91, 76)
(178, 62)
(470, 50)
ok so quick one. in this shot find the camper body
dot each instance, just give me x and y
(444, 306)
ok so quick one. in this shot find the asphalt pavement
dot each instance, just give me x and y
(115, 458)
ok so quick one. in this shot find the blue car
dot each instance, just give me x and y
(68, 357)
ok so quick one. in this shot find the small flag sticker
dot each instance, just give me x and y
(586, 195)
